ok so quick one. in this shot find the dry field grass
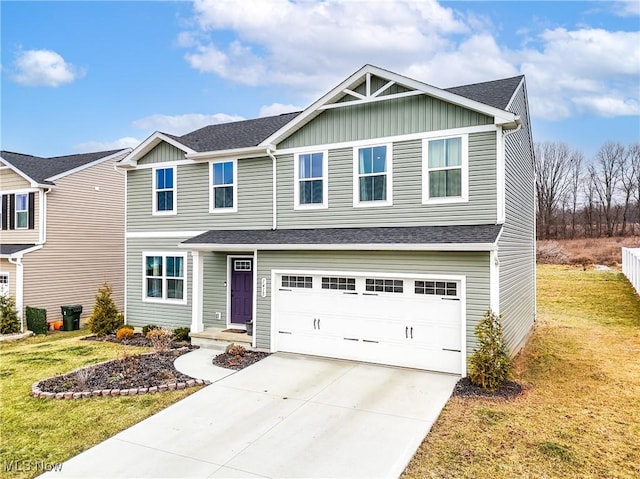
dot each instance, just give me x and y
(580, 414)
(585, 251)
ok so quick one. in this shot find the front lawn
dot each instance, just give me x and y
(580, 414)
(37, 432)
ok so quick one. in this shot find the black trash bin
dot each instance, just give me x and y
(71, 317)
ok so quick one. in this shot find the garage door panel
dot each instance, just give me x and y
(401, 328)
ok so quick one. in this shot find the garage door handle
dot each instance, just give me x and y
(283, 289)
(411, 332)
(285, 332)
(351, 339)
(452, 350)
(451, 299)
(406, 332)
(370, 341)
(349, 292)
(370, 294)
(314, 323)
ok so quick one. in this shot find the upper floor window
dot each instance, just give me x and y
(223, 194)
(311, 183)
(445, 169)
(164, 191)
(373, 176)
(164, 277)
(22, 211)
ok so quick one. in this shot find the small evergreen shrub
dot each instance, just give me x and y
(125, 332)
(9, 322)
(490, 364)
(105, 318)
(160, 339)
(181, 334)
(36, 320)
(149, 327)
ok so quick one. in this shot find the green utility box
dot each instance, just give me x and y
(71, 317)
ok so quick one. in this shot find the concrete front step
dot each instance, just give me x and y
(214, 338)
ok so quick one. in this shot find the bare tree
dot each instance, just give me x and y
(605, 174)
(575, 179)
(628, 182)
(553, 162)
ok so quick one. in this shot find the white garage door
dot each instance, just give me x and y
(411, 322)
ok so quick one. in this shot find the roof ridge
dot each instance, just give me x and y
(484, 82)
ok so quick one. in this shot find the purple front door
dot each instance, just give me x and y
(241, 290)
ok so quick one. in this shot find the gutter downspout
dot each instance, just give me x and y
(43, 220)
(17, 261)
(274, 225)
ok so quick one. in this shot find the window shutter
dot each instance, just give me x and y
(5, 212)
(32, 210)
(12, 212)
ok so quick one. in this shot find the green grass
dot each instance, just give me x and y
(580, 414)
(51, 431)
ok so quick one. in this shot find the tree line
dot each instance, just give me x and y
(576, 198)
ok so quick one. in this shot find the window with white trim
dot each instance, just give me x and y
(297, 281)
(311, 186)
(164, 190)
(373, 175)
(436, 288)
(22, 211)
(164, 277)
(445, 169)
(339, 283)
(4, 284)
(380, 285)
(223, 179)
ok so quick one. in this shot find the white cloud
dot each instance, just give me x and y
(586, 70)
(627, 8)
(120, 143)
(278, 109)
(44, 68)
(181, 124)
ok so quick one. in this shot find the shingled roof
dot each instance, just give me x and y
(41, 169)
(411, 235)
(496, 93)
(237, 134)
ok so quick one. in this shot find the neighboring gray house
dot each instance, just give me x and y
(61, 229)
(378, 225)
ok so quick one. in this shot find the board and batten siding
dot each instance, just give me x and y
(162, 153)
(192, 182)
(517, 243)
(140, 313)
(475, 266)
(10, 180)
(84, 245)
(407, 208)
(413, 114)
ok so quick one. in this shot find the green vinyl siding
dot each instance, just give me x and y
(192, 184)
(412, 114)
(140, 313)
(517, 243)
(407, 209)
(475, 266)
(162, 153)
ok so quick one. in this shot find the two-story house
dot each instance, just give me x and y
(379, 224)
(62, 229)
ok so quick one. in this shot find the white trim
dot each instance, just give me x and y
(164, 254)
(8, 283)
(165, 164)
(237, 153)
(325, 181)
(174, 189)
(391, 139)
(500, 177)
(32, 183)
(384, 87)
(89, 165)
(464, 198)
(254, 312)
(234, 185)
(126, 248)
(494, 282)
(370, 99)
(230, 259)
(515, 94)
(343, 247)
(131, 160)
(500, 116)
(197, 292)
(21, 191)
(19, 297)
(16, 211)
(22, 252)
(162, 234)
(357, 203)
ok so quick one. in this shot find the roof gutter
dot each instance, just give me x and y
(342, 246)
(247, 152)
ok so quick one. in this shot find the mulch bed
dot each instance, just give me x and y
(137, 340)
(140, 371)
(230, 361)
(509, 390)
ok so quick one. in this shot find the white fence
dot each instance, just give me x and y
(631, 266)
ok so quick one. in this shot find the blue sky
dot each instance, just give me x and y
(87, 76)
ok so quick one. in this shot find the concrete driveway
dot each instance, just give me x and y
(285, 416)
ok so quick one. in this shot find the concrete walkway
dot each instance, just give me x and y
(285, 416)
